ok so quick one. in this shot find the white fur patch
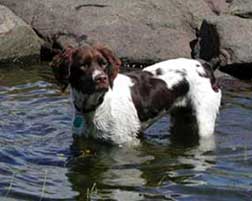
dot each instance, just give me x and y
(96, 73)
(116, 119)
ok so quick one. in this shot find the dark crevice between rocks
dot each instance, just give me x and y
(213, 8)
(247, 15)
(241, 71)
(91, 5)
(40, 35)
(207, 44)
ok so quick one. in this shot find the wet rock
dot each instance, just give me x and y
(232, 84)
(139, 31)
(18, 42)
(229, 39)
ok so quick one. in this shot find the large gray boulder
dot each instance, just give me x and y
(139, 31)
(18, 42)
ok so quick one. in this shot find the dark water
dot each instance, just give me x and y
(36, 162)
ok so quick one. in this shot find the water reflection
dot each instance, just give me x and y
(109, 168)
(126, 173)
(37, 161)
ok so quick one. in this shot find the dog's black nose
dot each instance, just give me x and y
(101, 78)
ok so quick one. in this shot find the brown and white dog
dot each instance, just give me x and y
(116, 107)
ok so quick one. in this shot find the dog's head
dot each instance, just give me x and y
(88, 69)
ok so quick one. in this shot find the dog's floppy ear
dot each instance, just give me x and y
(113, 60)
(60, 65)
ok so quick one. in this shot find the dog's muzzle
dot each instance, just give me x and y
(101, 82)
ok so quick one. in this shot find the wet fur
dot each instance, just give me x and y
(122, 105)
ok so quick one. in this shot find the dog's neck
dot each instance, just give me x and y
(86, 103)
(86, 106)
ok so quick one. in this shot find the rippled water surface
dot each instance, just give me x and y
(36, 162)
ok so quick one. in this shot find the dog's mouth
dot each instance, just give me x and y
(90, 87)
(102, 86)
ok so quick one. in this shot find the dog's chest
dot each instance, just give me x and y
(116, 119)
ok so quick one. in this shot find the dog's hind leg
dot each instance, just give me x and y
(184, 129)
(206, 105)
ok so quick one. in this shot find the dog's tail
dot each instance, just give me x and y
(210, 67)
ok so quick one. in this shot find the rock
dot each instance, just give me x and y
(18, 41)
(218, 7)
(241, 8)
(139, 31)
(230, 84)
(229, 39)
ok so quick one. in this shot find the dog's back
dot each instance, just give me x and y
(202, 97)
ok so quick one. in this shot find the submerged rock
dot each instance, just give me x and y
(18, 41)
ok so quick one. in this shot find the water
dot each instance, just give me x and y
(36, 162)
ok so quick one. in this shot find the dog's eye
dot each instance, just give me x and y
(83, 67)
(103, 63)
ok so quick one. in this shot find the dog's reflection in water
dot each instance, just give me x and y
(112, 168)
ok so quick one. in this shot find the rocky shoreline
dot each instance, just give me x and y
(18, 42)
(141, 32)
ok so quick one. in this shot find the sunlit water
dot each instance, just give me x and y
(36, 162)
